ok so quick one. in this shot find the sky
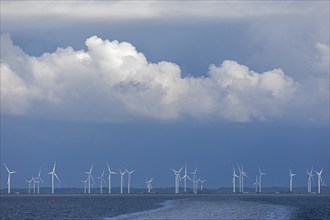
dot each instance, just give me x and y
(153, 85)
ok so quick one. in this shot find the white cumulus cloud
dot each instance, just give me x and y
(323, 57)
(112, 80)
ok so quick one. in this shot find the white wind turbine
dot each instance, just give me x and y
(310, 175)
(102, 181)
(9, 174)
(29, 184)
(319, 180)
(202, 183)
(121, 180)
(260, 174)
(194, 179)
(185, 178)
(323, 183)
(234, 180)
(149, 186)
(129, 180)
(291, 175)
(242, 174)
(85, 184)
(256, 183)
(90, 177)
(240, 178)
(109, 177)
(177, 179)
(38, 180)
(34, 184)
(53, 174)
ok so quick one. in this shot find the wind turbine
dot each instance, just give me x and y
(149, 186)
(319, 180)
(243, 174)
(240, 178)
(121, 180)
(260, 174)
(291, 175)
(85, 184)
(129, 180)
(177, 179)
(194, 178)
(323, 183)
(310, 175)
(9, 174)
(102, 180)
(34, 184)
(53, 174)
(196, 181)
(234, 178)
(109, 177)
(38, 180)
(185, 177)
(202, 183)
(29, 184)
(256, 183)
(89, 177)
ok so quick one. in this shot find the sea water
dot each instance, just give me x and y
(155, 206)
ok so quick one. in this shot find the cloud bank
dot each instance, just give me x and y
(153, 9)
(112, 81)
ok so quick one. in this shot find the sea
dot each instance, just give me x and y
(165, 206)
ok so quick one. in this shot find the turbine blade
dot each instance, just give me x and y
(54, 166)
(108, 167)
(56, 177)
(6, 168)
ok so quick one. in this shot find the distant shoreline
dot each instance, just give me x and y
(170, 194)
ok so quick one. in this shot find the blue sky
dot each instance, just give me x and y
(152, 85)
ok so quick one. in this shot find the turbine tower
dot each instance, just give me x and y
(291, 175)
(177, 179)
(149, 186)
(319, 180)
(34, 184)
(234, 178)
(53, 174)
(260, 174)
(185, 177)
(9, 174)
(202, 183)
(85, 184)
(102, 180)
(90, 177)
(129, 180)
(38, 180)
(310, 175)
(121, 180)
(29, 184)
(240, 178)
(109, 177)
(243, 174)
(256, 183)
(194, 179)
